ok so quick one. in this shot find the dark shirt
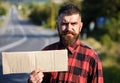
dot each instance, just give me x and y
(84, 66)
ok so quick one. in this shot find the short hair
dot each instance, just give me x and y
(69, 9)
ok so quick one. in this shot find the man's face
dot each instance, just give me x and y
(69, 28)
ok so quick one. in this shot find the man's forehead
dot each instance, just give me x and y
(70, 18)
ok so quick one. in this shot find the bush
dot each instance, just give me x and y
(113, 28)
(4, 6)
(36, 15)
(3, 11)
(24, 10)
(106, 41)
(44, 14)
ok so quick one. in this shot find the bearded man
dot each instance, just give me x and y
(84, 66)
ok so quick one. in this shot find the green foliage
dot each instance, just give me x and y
(99, 8)
(106, 41)
(3, 11)
(23, 10)
(44, 14)
(75, 2)
(113, 28)
(111, 74)
(111, 68)
(37, 14)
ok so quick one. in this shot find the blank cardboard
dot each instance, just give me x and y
(25, 62)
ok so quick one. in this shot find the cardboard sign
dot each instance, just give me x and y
(25, 62)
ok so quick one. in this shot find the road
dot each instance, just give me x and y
(19, 35)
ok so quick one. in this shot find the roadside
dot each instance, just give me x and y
(4, 7)
(2, 18)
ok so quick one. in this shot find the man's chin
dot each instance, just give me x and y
(68, 41)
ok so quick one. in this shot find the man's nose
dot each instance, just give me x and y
(69, 26)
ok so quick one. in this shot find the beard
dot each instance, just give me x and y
(68, 38)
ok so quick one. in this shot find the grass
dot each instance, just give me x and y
(111, 74)
(111, 68)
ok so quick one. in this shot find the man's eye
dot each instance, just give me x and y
(73, 23)
(64, 23)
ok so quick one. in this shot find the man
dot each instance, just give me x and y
(84, 65)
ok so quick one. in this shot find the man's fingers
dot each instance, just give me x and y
(36, 76)
(33, 73)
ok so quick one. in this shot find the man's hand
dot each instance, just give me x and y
(36, 76)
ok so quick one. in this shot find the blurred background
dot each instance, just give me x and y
(30, 25)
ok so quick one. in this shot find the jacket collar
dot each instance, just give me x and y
(71, 49)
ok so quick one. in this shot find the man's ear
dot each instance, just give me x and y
(81, 25)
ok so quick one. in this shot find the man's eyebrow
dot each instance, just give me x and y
(73, 22)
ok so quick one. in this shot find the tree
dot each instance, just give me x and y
(99, 8)
(3, 8)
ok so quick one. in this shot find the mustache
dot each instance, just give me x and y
(68, 32)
